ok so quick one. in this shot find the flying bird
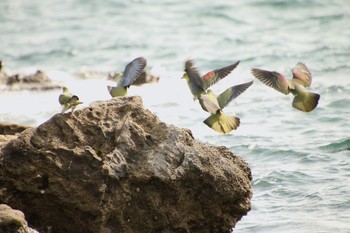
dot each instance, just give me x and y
(303, 100)
(131, 73)
(68, 100)
(199, 84)
(218, 120)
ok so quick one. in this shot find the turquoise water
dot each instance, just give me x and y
(299, 161)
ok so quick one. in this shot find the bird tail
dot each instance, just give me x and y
(306, 102)
(222, 123)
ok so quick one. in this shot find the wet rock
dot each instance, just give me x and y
(115, 167)
(13, 221)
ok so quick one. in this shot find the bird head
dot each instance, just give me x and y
(118, 75)
(185, 76)
(65, 89)
(75, 100)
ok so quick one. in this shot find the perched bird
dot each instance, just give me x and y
(304, 101)
(68, 100)
(131, 73)
(199, 84)
(218, 120)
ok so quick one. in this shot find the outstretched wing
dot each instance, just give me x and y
(272, 79)
(65, 96)
(302, 74)
(231, 93)
(195, 82)
(214, 76)
(132, 71)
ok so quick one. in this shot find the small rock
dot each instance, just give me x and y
(13, 221)
(146, 77)
(8, 128)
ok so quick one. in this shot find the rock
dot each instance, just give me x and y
(5, 139)
(9, 128)
(38, 77)
(11, 80)
(12, 221)
(115, 167)
(146, 77)
(33, 82)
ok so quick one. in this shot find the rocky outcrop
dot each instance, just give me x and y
(115, 167)
(37, 81)
(13, 221)
(9, 130)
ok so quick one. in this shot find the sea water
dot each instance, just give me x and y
(299, 161)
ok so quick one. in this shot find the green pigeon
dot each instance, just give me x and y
(68, 100)
(218, 120)
(131, 73)
(199, 84)
(303, 100)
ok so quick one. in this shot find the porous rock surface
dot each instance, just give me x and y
(115, 167)
(13, 221)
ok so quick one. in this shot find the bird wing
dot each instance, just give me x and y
(214, 76)
(64, 97)
(272, 79)
(132, 71)
(302, 74)
(231, 93)
(195, 83)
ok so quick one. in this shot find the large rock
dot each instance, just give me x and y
(115, 167)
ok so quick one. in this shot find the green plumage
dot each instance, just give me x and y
(218, 120)
(304, 101)
(131, 72)
(68, 100)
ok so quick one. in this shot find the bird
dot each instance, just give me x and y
(218, 120)
(199, 84)
(303, 100)
(131, 72)
(68, 100)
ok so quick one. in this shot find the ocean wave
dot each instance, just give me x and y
(337, 146)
